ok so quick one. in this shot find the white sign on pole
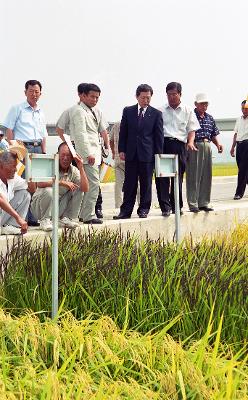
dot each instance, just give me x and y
(44, 168)
(166, 166)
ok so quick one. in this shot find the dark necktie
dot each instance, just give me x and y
(140, 116)
(94, 115)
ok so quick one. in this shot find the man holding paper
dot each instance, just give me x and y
(86, 124)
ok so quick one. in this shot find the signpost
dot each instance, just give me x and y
(166, 166)
(43, 168)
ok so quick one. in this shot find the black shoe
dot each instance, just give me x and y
(207, 209)
(99, 213)
(93, 221)
(237, 197)
(142, 214)
(122, 216)
(166, 213)
(33, 223)
(194, 209)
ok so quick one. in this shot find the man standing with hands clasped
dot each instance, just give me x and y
(180, 124)
(199, 163)
(141, 137)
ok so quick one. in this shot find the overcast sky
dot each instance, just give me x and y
(119, 44)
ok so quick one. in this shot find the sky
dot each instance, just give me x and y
(121, 44)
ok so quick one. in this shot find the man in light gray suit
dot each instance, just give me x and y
(87, 124)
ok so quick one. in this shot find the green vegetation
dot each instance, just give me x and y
(93, 359)
(140, 285)
(225, 169)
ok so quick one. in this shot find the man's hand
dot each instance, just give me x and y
(232, 151)
(122, 156)
(79, 161)
(69, 185)
(91, 160)
(32, 186)
(23, 224)
(220, 148)
(191, 146)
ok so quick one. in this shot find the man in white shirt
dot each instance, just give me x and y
(15, 197)
(240, 141)
(179, 123)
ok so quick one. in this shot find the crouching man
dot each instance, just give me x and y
(72, 183)
(14, 196)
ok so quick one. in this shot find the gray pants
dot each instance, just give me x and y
(20, 203)
(69, 203)
(199, 175)
(87, 211)
(119, 180)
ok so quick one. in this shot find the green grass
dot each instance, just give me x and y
(225, 169)
(94, 359)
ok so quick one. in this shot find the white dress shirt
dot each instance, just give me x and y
(178, 122)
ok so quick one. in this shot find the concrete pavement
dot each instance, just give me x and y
(226, 215)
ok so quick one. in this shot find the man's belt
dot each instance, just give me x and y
(202, 140)
(35, 143)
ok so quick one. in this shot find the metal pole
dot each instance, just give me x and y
(55, 243)
(176, 198)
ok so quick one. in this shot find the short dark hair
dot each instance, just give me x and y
(81, 87)
(87, 87)
(7, 156)
(32, 82)
(174, 86)
(243, 102)
(61, 145)
(144, 88)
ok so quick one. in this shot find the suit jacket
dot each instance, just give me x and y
(141, 142)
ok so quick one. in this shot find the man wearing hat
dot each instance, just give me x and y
(199, 163)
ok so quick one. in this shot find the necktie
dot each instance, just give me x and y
(94, 115)
(140, 116)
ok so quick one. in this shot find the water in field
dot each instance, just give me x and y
(225, 138)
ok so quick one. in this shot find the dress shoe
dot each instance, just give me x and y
(207, 209)
(122, 216)
(33, 223)
(194, 209)
(166, 213)
(99, 213)
(93, 221)
(237, 197)
(142, 214)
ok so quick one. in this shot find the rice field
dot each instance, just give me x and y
(137, 319)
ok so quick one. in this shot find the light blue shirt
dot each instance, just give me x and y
(4, 145)
(28, 124)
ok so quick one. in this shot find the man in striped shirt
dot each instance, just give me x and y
(199, 163)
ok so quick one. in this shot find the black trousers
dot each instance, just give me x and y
(137, 170)
(98, 205)
(165, 186)
(242, 162)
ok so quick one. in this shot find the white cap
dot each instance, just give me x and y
(201, 98)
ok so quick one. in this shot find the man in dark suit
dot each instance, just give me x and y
(141, 136)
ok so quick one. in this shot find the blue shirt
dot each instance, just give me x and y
(28, 124)
(208, 127)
